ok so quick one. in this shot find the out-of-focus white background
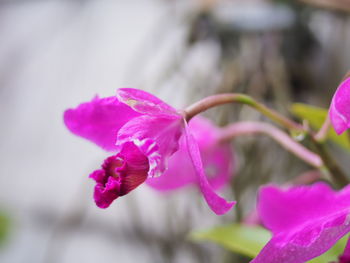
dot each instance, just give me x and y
(57, 54)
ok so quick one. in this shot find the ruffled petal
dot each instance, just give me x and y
(306, 221)
(105, 193)
(216, 203)
(339, 111)
(217, 160)
(144, 102)
(135, 169)
(156, 136)
(99, 120)
(120, 174)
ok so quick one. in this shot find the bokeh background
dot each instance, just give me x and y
(56, 54)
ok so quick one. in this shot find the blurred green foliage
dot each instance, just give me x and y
(4, 227)
(239, 238)
(316, 116)
(249, 240)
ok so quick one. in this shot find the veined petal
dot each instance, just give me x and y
(217, 157)
(299, 204)
(99, 120)
(144, 102)
(339, 111)
(135, 170)
(217, 160)
(179, 173)
(216, 203)
(306, 221)
(156, 136)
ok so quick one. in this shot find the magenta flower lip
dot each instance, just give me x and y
(120, 174)
(140, 129)
(339, 111)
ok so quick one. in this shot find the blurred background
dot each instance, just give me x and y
(57, 54)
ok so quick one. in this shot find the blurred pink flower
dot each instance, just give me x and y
(340, 107)
(144, 132)
(305, 221)
(217, 159)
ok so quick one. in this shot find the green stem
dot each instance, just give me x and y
(212, 101)
(339, 177)
(322, 134)
(251, 127)
(219, 99)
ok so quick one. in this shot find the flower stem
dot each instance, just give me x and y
(330, 165)
(307, 177)
(339, 177)
(318, 140)
(250, 127)
(322, 134)
(219, 99)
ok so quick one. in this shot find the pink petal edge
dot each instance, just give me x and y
(217, 160)
(99, 120)
(317, 217)
(144, 102)
(339, 111)
(218, 204)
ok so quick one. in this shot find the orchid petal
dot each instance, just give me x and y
(157, 138)
(217, 159)
(180, 171)
(99, 120)
(216, 203)
(144, 102)
(306, 221)
(340, 107)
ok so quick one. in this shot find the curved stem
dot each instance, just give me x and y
(322, 134)
(307, 177)
(219, 99)
(250, 127)
(336, 172)
(329, 163)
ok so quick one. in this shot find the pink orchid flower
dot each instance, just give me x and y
(143, 132)
(217, 159)
(339, 111)
(305, 221)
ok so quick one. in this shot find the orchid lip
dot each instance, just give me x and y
(115, 166)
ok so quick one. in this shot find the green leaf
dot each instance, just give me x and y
(315, 116)
(332, 254)
(4, 227)
(239, 238)
(249, 240)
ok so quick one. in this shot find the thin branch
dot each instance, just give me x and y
(250, 127)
